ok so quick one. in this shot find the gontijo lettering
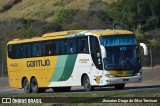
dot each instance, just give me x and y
(38, 63)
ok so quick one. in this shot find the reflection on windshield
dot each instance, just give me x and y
(122, 57)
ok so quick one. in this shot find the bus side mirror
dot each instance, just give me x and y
(103, 51)
(144, 48)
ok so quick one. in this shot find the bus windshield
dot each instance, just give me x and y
(122, 53)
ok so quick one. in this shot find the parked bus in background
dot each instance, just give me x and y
(61, 60)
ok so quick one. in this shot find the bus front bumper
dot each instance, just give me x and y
(123, 80)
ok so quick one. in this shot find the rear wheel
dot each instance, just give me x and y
(61, 89)
(86, 84)
(26, 86)
(34, 87)
(119, 86)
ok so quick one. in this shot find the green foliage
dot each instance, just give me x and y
(65, 15)
(155, 44)
(151, 44)
(152, 22)
(142, 39)
(90, 19)
(154, 7)
(22, 29)
(131, 13)
(61, 2)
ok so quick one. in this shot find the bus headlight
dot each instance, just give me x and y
(140, 73)
(110, 76)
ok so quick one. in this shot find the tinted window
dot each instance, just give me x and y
(82, 45)
(26, 50)
(12, 51)
(95, 52)
(36, 49)
(71, 46)
(18, 51)
(60, 47)
(49, 48)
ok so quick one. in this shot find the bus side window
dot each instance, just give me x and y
(36, 49)
(43, 48)
(49, 48)
(74, 45)
(29, 50)
(18, 51)
(62, 46)
(67, 46)
(57, 51)
(12, 51)
(26, 50)
(71, 46)
(86, 45)
(82, 45)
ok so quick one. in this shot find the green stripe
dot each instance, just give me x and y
(68, 69)
(58, 71)
(64, 67)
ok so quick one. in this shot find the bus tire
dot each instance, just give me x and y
(119, 86)
(34, 86)
(86, 84)
(26, 86)
(61, 89)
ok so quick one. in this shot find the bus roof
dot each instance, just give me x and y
(53, 35)
(62, 34)
(109, 32)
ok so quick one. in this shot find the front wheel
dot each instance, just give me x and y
(86, 84)
(119, 86)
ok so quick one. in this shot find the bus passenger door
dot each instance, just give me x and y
(96, 65)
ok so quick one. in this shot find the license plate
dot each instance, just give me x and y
(125, 80)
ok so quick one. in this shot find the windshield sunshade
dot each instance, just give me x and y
(118, 40)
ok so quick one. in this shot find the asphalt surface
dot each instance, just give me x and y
(143, 86)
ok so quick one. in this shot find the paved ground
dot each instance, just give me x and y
(144, 85)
